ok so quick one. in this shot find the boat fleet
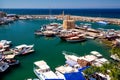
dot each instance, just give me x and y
(7, 54)
(73, 68)
(70, 35)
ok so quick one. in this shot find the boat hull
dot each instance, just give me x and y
(73, 41)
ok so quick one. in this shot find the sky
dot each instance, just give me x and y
(59, 3)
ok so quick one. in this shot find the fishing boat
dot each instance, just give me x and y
(64, 35)
(3, 66)
(23, 49)
(43, 72)
(78, 38)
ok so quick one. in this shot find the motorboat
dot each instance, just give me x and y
(6, 42)
(23, 49)
(43, 71)
(70, 57)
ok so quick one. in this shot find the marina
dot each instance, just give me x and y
(54, 45)
(47, 37)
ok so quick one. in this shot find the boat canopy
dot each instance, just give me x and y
(74, 76)
(9, 56)
(41, 64)
(88, 58)
(50, 75)
(64, 69)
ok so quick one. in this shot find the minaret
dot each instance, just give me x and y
(63, 14)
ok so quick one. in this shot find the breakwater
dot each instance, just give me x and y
(76, 18)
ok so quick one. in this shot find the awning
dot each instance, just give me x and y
(74, 76)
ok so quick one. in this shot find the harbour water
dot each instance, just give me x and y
(48, 49)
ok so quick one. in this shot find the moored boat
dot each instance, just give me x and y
(63, 36)
(43, 72)
(75, 39)
(23, 49)
(6, 42)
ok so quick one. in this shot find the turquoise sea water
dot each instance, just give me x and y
(48, 49)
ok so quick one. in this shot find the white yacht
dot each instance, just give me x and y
(3, 66)
(70, 57)
(43, 72)
(23, 49)
(6, 42)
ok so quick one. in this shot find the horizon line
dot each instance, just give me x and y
(59, 8)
